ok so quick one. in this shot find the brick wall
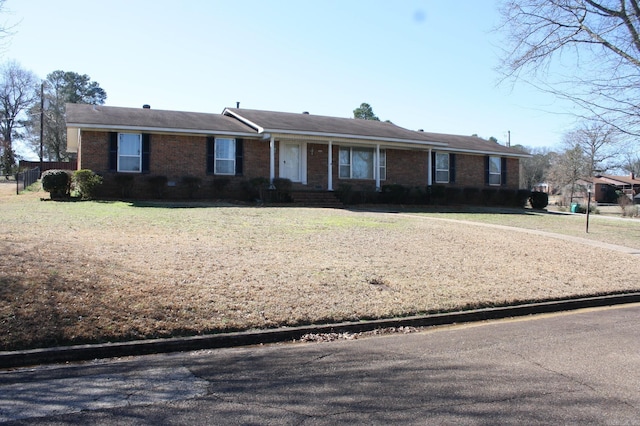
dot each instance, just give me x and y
(177, 156)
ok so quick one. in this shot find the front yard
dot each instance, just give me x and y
(80, 272)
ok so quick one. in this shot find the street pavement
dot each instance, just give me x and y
(579, 367)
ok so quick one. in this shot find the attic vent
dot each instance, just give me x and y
(146, 106)
(305, 112)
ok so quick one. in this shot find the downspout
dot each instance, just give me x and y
(272, 161)
(376, 169)
(330, 168)
(429, 168)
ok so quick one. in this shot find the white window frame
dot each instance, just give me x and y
(231, 159)
(442, 170)
(121, 156)
(496, 173)
(348, 166)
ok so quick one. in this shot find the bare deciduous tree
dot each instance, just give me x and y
(18, 92)
(598, 144)
(586, 51)
(567, 168)
(534, 170)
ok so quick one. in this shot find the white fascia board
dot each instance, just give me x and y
(480, 152)
(356, 137)
(98, 127)
(244, 120)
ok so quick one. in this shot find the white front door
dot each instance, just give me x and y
(290, 161)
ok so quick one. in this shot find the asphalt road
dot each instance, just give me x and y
(580, 367)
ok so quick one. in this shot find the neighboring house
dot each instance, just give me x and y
(606, 187)
(316, 153)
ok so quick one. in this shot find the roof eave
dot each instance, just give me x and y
(353, 137)
(487, 152)
(99, 127)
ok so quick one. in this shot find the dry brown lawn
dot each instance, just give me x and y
(78, 272)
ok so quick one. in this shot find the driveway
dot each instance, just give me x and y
(580, 367)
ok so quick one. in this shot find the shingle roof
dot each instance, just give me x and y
(319, 125)
(248, 122)
(103, 117)
(470, 144)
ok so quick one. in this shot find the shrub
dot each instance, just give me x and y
(393, 194)
(255, 188)
(86, 182)
(192, 183)
(454, 195)
(283, 189)
(539, 200)
(471, 195)
(158, 184)
(219, 184)
(125, 184)
(489, 196)
(437, 194)
(345, 193)
(57, 183)
(522, 196)
(416, 195)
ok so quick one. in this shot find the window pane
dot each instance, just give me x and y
(494, 179)
(225, 149)
(226, 167)
(129, 144)
(362, 163)
(383, 158)
(494, 165)
(345, 172)
(129, 164)
(442, 162)
(442, 176)
(344, 156)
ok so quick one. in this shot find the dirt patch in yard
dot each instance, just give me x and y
(95, 272)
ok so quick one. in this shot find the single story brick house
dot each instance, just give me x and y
(316, 153)
(605, 188)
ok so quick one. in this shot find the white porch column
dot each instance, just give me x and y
(429, 168)
(330, 167)
(272, 160)
(376, 167)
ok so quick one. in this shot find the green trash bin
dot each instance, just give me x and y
(575, 207)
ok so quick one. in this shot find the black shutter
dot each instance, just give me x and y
(452, 168)
(486, 170)
(210, 154)
(503, 171)
(113, 151)
(239, 156)
(146, 149)
(433, 166)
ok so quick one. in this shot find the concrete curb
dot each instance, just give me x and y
(14, 359)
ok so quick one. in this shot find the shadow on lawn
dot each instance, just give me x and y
(450, 209)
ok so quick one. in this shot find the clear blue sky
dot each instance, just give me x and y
(425, 64)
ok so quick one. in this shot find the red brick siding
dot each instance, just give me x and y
(317, 166)
(177, 156)
(93, 153)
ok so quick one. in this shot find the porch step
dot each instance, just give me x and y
(316, 199)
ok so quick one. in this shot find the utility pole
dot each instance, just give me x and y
(41, 126)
